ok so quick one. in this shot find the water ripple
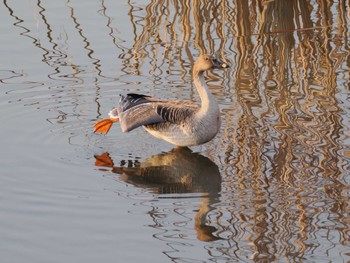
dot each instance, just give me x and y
(272, 186)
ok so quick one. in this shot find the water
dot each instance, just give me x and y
(273, 186)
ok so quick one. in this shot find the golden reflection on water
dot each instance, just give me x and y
(276, 184)
(284, 135)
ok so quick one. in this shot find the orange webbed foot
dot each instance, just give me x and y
(104, 125)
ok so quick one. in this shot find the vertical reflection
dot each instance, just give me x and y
(112, 32)
(47, 53)
(169, 27)
(90, 51)
(285, 139)
(50, 55)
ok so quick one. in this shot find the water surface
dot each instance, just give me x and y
(273, 186)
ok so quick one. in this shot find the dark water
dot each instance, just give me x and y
(273, 186)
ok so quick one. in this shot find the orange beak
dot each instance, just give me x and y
(104, 125)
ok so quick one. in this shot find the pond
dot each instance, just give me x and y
(272, 186)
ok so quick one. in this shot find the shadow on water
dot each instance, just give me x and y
(179, 171)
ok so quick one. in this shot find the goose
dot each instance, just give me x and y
(182, 123)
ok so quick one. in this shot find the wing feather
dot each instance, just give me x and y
(153, 111)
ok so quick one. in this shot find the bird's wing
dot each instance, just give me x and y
(155, 112)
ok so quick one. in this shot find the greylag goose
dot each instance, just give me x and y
(180, 122)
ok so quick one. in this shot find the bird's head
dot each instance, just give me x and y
(207, 62)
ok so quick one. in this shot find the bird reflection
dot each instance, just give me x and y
(177, 171)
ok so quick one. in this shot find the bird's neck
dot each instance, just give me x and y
(208, 101)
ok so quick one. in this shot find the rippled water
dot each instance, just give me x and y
(273, 186)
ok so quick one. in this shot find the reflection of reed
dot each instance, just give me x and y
(174, 172)
(47, 53)
(281, 149)
(291, 118)
(287, 134)
(90, 51)
(170, 24)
